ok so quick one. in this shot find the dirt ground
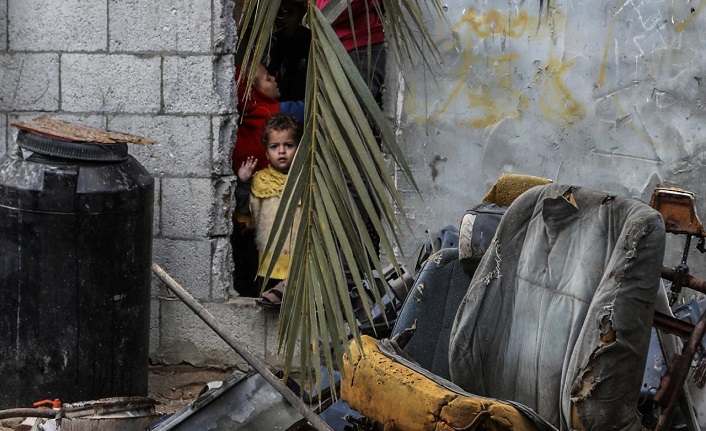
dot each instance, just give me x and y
(175, 386)
(172, 386)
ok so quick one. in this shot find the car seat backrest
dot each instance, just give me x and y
(432, 304)
(558, 313)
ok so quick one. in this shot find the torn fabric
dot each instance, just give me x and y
(558, 314)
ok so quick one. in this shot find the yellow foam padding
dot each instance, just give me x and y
(402, 399)
(509, 186)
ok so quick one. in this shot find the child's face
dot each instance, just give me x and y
(266, 82)
(281, 148)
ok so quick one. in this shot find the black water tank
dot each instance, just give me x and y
(75, 253)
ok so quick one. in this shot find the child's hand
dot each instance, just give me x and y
(246, 169)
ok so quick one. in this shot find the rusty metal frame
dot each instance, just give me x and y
(679, 213)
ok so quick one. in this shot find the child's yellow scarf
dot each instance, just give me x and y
(268, 183)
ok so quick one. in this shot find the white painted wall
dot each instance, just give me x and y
(606, 95)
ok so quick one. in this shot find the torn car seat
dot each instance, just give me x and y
(558, 314)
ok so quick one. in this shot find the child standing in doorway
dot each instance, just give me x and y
(280, 138)
(255, 106)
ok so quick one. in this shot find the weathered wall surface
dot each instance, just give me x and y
(160, 69)
(607, 95)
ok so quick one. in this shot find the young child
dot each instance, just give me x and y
(280, 139)
(254, 110)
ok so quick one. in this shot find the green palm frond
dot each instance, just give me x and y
(339, 161)
(408, 32)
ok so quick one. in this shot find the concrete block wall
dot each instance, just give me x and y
(162, 70)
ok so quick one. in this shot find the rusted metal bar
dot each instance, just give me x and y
(690, 281)
(678, 370)
(240, 349)
(672, 325)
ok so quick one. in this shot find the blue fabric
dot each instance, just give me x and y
(295, 109)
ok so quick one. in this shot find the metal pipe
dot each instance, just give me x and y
(690, 282)
(240, 349)
(678, 370)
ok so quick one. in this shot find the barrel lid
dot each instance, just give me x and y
(56, 138)
(88, 151)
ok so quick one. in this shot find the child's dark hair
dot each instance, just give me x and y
(280, 122)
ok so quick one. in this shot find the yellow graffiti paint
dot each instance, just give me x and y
(684, 24)
(495, 22)
(556, 100)
(498, 100)
(486, 81)
(410, 104)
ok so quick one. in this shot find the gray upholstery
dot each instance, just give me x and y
(558, 313)
(432, 304)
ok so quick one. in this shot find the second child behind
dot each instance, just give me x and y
(280, 137)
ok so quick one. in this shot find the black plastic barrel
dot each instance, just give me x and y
(75, 256)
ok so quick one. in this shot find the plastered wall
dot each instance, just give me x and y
(607, 95)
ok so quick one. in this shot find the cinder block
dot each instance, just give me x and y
(224, 132)
(181, 144)
(187, 261)
(110, 83)
(3, 26)
(186, 338)
(221, 268)
(3, 135)
(90, 120)
(156, 25)
(223, 198)
(68, 25)
(190, 85)
(29, 82)
(224, 71)
(187, 207)
(224, 35)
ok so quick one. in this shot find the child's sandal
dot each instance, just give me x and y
(272, 298)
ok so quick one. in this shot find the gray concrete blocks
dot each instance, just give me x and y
(224, 131)
(178, 26)
(223, 198)
(3, 25)
(224, 31)
(3, 135)
(162, 70)
(110, 83)
(185, 337)
(29, 82)
(68, 25)
(90, 120)
(180, 146)
(187, 261)
(189, 85)
(221, 269)
(187, 207)
(224, 85)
